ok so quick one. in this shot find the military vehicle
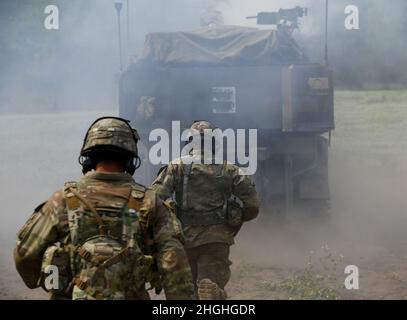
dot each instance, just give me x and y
(242, 78)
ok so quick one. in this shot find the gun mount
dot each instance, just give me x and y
(287, 19)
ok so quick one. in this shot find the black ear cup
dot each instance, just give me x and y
(137, 162)
(132, 165)
(87, 164)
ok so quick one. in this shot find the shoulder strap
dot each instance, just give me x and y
(72, 202)
(142, 202)
(72, 206)
(225, 172)
(184, 180)
(137, 194)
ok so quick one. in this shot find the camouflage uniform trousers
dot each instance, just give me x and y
(210, 261)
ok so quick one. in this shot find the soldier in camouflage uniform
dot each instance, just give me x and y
(107, 235)
(213, 200)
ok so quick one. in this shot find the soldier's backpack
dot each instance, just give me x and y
(105, 263)
(232, 210)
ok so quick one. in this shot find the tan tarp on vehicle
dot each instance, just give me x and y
(225, 45)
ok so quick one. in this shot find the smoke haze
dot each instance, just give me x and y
(53, 84)
(77, 66)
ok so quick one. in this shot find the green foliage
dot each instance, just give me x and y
(318, 281)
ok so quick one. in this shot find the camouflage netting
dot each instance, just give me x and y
(225, 45)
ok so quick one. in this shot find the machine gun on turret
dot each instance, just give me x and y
(287, 19)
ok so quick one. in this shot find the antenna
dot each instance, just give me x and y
(128, 26)
(326, 59)
(118, 6)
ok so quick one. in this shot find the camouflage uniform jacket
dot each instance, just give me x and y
(207, 186)
(49, 224)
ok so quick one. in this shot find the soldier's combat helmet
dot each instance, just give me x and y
(199, 132)
(199, 127)
(110, 134)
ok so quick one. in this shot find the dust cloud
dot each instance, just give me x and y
(54, 84)
(368, 182)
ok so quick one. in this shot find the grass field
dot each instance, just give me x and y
(371, 123)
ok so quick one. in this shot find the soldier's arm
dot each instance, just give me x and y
(171, 258)
(40, 231)
(165, 183)
(245, 190)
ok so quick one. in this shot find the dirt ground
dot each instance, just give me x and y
(298, 259)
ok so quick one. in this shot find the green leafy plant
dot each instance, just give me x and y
(318, 281)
